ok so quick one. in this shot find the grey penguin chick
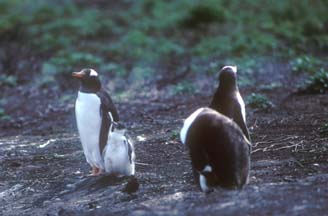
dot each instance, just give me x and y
(118, 154)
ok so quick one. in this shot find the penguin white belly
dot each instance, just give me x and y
(242, 105)
(118, 158)
(87, 110)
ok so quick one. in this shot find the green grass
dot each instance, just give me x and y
(8, 80)
(316, 83)
(66, 35)
(258, 102)
(306, 64)
(271, 86)
(183, 87)
(174, 134)
(64, 62)
(324, 130)
(3, 115)
(113, 69)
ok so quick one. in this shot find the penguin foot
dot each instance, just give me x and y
(95, 171)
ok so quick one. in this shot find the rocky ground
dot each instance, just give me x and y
(43, 170)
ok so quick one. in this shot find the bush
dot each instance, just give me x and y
(6, 80)
(316, 84)
(305, 64)
(3, 115)
(68, 61)
(205, 13)
(324, 130)
(258, 102)
(67, 34)
(184, 87)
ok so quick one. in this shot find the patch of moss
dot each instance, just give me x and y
(316, 83)
(258, 102)
(204, 13)
(305, 64)
(8, 80)
(3, 115)
(183, 87)
(324, 130)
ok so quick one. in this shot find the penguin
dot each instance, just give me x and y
(227, 99)
(95, 114)
(119, 154)
(218, 148)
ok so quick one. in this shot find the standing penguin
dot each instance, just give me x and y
(227, 99)
(219, 151)
(119, 154)
(95, 113)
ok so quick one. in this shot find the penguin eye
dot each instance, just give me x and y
(86, 72)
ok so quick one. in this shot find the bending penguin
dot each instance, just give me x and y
(95, 117)
(227, 99)
(219, 151)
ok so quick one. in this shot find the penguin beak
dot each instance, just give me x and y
(80, 74)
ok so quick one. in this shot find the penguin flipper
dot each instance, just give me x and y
(130, 149)
(238, 118)
(106, 122)
(108, 104)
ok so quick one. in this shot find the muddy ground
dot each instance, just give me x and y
(43, 170)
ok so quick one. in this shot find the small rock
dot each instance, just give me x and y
(132, 186)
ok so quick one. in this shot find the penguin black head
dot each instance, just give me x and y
(89, 78)
(228, 77)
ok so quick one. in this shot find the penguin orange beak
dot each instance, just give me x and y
(80, 74)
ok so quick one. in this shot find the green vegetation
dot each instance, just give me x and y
(114, 69)
(64, 62)
(184, 87)
(258, 102)
(270, 86)
(3, 115)
(306, 64)
(175, 134)
(68, 35)
(316, 83)
(6, 80)
(324, 130)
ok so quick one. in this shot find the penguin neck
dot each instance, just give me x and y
(227, 89)
(90, 88)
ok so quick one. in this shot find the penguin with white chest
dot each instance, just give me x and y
(95, 114)
(119, 154)
(219, 151)
(227, 99)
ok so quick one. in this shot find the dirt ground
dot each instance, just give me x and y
(43, 169)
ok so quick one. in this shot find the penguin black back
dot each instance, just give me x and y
(227, 99)
(218, 150)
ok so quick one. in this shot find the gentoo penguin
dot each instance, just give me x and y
(119, 154)
(219, 151)
(95, 113)
(227, 99)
